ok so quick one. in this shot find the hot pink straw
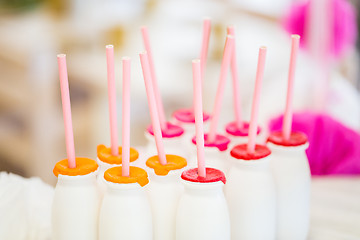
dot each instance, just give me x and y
(256, 100)
(160, 107)
(153, 108)
(112, 99)
(125, 154)
(220, 90)
(65, 98)
(234, 73)
(205, 45)
(287, 121)
(199, 117)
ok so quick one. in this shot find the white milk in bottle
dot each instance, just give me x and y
(125, 211)
(250, 193)
(164, 192)
(202, 213)
(76, 201)
(291, 171)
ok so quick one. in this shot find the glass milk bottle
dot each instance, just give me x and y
(202, 212)
(291, 171)
(125, 210)
(173, 139)
(76, 201)
(215, 153)
(106, 160)
(250, 193)
(164, 192)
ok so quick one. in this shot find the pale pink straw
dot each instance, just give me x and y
(199, 122)
(112, 99)
(287, 121)
(65, 98)
(205, 45)
(125, 154)
(220, 90)
(234, 73)
(319, 29)
(159, 104)
(153, 108)
(256, 100)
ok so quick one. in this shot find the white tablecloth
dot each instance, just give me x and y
(335, 208)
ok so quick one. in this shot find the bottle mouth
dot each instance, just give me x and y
(221, 142)
(296, 139)
(136, 175)
(187, 116)
(84, 166)
(174, 162)
(172, 131)
(240, 152)
(104, 154)
(212, 176)
(232, 129)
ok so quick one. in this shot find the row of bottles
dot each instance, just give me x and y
(267, 196)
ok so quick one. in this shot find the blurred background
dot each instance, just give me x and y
(33, 32)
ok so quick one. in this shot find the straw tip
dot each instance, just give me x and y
(126, 58)
(231, 30)
(263, 48)
(295, 36)
(143, 55)
(207, 19)
(143, 28)
(109, 46)
(61, 55)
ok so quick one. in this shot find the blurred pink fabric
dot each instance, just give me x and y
(345, 30)
(334, 148)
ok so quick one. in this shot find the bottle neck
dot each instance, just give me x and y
(122, 188)
(288, 149)
(211, 152)
(171, 178)
(203, 189)
(103, 166)
(77, 180)
(262, 164)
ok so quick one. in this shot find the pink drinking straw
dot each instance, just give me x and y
(220, 90)
(235, 79)
(153, 108)
(196, 66)
(319, 29)
(125, 154)
(287, 120)
(65, 98)
(159, 104)
(112, 99)
(205, 45)
(256, 100)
